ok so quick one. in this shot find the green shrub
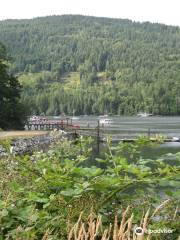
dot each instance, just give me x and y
(47, 191)
(6, 144)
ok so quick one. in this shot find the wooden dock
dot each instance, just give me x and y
(48, 125)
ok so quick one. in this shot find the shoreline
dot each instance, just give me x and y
(21, 144)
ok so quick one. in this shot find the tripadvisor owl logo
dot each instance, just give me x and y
(140, 231)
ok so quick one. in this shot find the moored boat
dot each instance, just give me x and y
(105, 121)
(144, 114)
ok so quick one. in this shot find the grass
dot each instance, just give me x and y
(69, 81)
(33, 78)
(123, 227)
(18, 134)
(72, 80)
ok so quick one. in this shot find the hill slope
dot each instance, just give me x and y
(93, 65)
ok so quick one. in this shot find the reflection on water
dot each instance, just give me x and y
(160, 150)
(131, 127)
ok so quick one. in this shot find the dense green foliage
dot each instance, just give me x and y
(95, 65)
(47, 191)
(12, 114)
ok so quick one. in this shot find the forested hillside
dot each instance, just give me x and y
(89, 65)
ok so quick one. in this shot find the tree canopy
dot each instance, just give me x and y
(90, 65)
(12, 114)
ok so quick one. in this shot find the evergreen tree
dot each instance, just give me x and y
(12, 113)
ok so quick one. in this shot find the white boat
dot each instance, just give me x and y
(176, 139)
(105, 121)
(75, 118)
(145, 114)
(34, 118)
(103, 116)
(37, 119)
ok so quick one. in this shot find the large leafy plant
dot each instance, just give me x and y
(49, 190)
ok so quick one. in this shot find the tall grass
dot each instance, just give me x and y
(123, 228)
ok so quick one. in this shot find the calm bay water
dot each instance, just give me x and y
(131, 127)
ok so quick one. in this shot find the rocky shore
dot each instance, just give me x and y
(29, 145)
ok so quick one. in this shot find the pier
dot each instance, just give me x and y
(47, 124)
